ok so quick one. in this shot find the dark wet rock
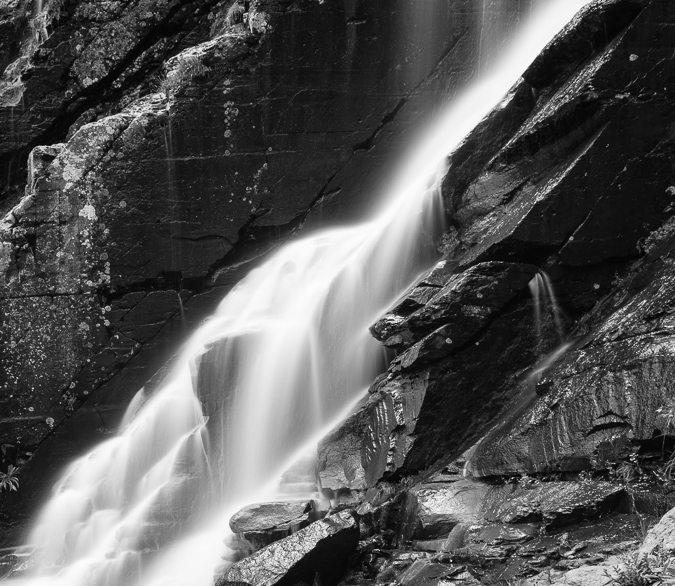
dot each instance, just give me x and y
(263, 523)
(71, 58)
(555, 504)
(482, 144)
(341, 459)
(527, 202)
(588, 33)
(576, 189)
(403, 426)
(432, 510)
(461, 307)
(603, 396)
(527, 551)
(323, 548)
(13, 24)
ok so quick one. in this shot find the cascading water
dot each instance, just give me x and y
(545, 299)
(286, 356)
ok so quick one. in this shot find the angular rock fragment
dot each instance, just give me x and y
(554, 503)
(263, 523)
(323, 548)
(462, 306)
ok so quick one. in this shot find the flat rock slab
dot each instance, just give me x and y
(264, 523)
(555, 503)
(323, 548)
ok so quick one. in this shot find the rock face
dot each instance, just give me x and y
(147, 149)
(322, 548)
(573, 180)
(264, 523)
(571, 176)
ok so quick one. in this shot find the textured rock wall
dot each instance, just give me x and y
(154, 153)
(574, 179)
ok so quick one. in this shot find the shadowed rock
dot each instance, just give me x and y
(322, 548)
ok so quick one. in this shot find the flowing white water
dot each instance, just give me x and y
(287, 352)
(545, 299)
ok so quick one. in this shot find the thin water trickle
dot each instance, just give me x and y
(545, 302)
(534, 376)
(285, 356)
(173, 195)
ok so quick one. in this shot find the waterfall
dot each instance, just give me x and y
(545, 299)
(285, 356)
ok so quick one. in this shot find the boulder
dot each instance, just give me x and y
(263, 523)
(322, 548)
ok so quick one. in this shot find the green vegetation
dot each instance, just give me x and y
(8, 480)
(657, 569)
